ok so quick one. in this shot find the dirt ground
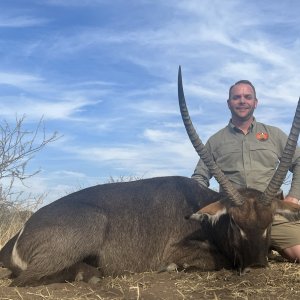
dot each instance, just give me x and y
(281, 280)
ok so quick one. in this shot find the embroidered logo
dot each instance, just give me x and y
(262, 136)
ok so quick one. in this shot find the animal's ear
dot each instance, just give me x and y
(213, 211)
(290, 211)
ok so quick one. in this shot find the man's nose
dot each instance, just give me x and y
(242, 99)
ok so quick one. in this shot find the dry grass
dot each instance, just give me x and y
(11, 221)
(280, 281)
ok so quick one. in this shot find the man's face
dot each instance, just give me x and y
(242, 102)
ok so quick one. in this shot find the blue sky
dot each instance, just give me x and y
(104, 75)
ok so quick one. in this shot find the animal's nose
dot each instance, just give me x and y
(256, 265)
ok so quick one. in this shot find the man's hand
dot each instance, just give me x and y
(292, 200)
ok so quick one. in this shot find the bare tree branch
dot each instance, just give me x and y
(17, 147)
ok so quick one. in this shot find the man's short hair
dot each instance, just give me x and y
(244, 82)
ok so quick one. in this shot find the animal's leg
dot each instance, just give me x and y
(78, 272)
(44, 270)
(194, 254)
(86, 273)
(5, 273)
(29, 277)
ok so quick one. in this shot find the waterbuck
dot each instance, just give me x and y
(148, 225)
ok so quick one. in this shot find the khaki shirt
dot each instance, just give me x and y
(249, 160)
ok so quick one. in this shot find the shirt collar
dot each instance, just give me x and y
(235, 129)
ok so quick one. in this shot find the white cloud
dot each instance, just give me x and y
(37, 108)
(154, 108)
(19, 80)
(20, 21)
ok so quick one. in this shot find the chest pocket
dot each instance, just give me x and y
(229, 157)
(263, 156)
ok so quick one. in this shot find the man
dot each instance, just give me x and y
(248, 153)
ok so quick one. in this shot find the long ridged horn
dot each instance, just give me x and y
(200, 148)
(286, 159)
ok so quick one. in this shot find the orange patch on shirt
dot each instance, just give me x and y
(262, 136)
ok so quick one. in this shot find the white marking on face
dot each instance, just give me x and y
(15, 257)
(243, 234)
(265, 233)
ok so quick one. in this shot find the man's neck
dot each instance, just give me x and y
(243, 125)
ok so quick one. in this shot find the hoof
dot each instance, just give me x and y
(5, 273)
(169, 268)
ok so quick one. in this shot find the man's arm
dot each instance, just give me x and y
(201, 174)
(294, 193)
(291, 199)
